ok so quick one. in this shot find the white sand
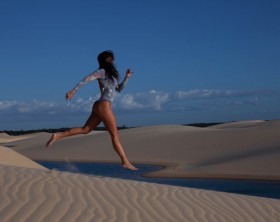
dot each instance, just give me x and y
(34, 195)
(10, 157)
(30, 193)
(5, 138)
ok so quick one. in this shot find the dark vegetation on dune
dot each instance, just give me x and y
(55, 130)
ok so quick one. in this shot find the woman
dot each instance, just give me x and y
(108, 79)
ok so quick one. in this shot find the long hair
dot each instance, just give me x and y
(109, 67)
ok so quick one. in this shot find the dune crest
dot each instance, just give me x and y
(10, 157)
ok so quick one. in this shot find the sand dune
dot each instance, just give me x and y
(5, 138)
(31, 193)
(10, 157)
(34, 195)
(247, 149)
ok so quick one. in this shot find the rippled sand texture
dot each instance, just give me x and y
(248, 149)
(35, 195)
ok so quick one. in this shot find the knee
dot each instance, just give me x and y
(86, 130)
(114, 135)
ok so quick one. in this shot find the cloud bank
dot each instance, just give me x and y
(152, 100)
(149, 102)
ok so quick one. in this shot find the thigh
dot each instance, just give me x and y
(104, 112)
(93, 121)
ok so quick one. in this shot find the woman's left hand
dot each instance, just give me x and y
(128, 73)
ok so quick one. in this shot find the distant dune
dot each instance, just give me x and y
(247, 149)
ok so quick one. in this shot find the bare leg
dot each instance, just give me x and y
(105, 113)
(92, 122)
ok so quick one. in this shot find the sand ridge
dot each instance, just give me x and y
(10, 157)
(40, 195)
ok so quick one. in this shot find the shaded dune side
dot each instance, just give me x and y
(40, 195)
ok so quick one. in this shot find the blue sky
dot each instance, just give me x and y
(193, 60)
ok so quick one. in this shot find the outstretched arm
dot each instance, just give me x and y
(121, 86)
(95, 75)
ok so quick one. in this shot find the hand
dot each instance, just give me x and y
(128, 73)
(70, 94)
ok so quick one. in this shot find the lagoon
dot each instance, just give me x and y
(269, 189)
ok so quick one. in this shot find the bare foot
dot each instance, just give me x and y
(129, 166)
(52, 140)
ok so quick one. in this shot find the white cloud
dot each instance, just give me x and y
(155, 100)
(152, 100)
(81, 104)
(7, 104)
(26, 107)
(195, 94)
(128, 102)
(195, 102)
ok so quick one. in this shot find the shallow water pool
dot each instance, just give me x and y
(270, 189)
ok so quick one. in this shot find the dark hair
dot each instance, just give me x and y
(110, 69)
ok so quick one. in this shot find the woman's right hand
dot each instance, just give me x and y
(70, 94)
